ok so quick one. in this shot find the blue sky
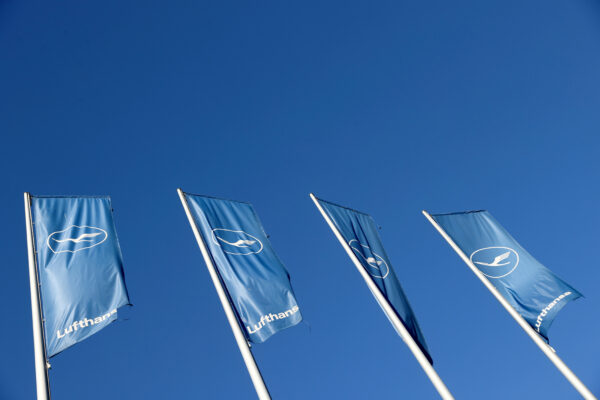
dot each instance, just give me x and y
(389, 108)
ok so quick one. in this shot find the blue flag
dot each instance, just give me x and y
(360, 232)
(257, 283)
(532, 289)
(80, 267)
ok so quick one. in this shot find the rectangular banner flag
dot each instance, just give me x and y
(360, 233)
(256, 281)
(80, 267)
(532, 289)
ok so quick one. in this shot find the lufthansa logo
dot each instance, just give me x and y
(373, 263)
(75, 238)
(495, 262)
(237, 243)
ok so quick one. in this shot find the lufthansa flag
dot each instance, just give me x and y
(360, 233)
(532, 289)
(256, 281)
(80, 267)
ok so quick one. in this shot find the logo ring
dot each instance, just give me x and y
(496, 247)
(216, 239)
(81, 238)
(360, 253)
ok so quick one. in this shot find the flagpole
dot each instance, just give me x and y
(41, 370)
(240, 338)
(389, 311)
(546, 349)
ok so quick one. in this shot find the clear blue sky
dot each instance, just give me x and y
(388, 107)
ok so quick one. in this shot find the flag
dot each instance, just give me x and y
(532, 289)
(256, 281)
(80, 267)
(360, 233)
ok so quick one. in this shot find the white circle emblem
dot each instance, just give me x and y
(237, 243)
(496, 261)
(373, 263)
(75, 238)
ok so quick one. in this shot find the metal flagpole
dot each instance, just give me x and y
(389, 311)
(257, 379)
(41, 370)
(548, 351)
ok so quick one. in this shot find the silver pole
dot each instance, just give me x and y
(389, 311)
(257, 380)
(41, 371)
(547, 350)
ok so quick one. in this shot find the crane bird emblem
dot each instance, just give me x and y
(236, 242)
(373, 263)
(496, 261)
(75, 238)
